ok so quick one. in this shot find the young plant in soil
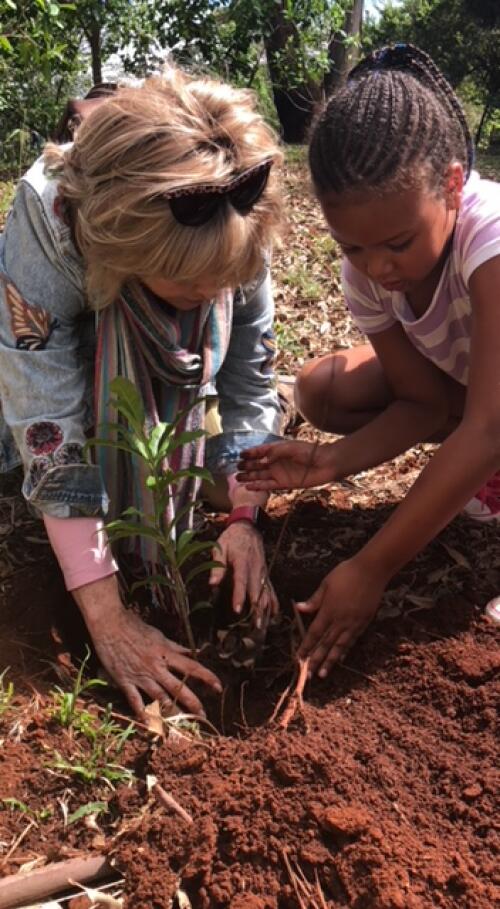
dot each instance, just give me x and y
(155, 447)
(100, 744)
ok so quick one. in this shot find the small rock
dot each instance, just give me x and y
(472, 792)
(345, 821)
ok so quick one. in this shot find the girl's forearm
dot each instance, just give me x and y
(458, 469)
(395, 430)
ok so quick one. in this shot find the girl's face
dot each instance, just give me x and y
(395, 240)
(183, 296)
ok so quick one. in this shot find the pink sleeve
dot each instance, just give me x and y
(81, 547)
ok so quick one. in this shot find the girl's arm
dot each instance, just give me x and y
(349, 596)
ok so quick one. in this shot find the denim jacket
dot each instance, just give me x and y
(47, 347)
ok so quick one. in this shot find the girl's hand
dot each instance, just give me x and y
(240, 547)
(137, 656)
(286, 465)
(345, 602)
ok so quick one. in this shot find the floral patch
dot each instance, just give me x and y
(269, 344)
(70, 453)
(44, 437)
(32, 326)
(38, 469)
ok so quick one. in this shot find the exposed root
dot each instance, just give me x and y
(294, 694)
(167, 800)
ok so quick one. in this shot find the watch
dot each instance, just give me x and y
(251, 513)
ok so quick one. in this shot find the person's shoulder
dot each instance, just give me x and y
(480, 199)
(477, 234)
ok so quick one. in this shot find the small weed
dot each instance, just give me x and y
(300, 280)
(6, 692)
(42, 814)
(99, 762)
(67, 712)
(91, 808)
(286, 339)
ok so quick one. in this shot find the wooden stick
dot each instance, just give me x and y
(17, 842)
(32, 886)
(169, 802)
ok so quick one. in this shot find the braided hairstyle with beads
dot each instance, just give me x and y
(395, 123)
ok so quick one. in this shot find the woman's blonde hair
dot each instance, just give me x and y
(172, 131)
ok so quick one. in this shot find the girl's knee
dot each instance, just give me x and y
(315, 391)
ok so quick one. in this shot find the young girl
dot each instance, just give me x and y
(391, 159)
(149, 234)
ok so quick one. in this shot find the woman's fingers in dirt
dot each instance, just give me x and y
(134, 700)
(258, 485)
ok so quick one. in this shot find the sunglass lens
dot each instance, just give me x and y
(196, 209)
(248, 193)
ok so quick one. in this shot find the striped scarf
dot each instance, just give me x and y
(172, 358)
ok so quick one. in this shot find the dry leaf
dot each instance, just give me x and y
(154, 720)
(457, 556)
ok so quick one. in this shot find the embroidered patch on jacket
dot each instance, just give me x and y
(44, 437)
(31, 325)
(269, 344)
(38, 469)
(69, 453)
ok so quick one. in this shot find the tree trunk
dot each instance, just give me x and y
(95, 49)
(294, 104)
(482, 123)
(343, 54)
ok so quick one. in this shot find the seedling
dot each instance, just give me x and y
(67, 712)
(155, 447)
(41, 814)
(106, 739)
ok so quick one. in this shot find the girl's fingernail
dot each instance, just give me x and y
(237, 608)
(322, 673)
(218, 687)
(258, 622)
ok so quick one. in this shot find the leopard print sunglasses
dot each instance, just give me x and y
(194, 206)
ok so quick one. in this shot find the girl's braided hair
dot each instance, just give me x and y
(396, 122)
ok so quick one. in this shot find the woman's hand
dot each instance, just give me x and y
(240, 547)
(286, 465)
(345, 602)
(137, 656)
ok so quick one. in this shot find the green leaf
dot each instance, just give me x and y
(191, 549)
(85, 810)
(6, 45)
(186, 437)
(205, 566)
(128, 400)
(161, 579)
(53, 10)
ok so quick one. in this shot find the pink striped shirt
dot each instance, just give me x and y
(443, 333)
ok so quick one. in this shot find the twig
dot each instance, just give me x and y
(282, 698)
(358, 672)
(242, 704)
(17, 842)
(169, 802)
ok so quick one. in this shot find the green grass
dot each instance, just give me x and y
(489, 166)
(7, 188)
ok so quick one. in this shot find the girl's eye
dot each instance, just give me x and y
(399, 247)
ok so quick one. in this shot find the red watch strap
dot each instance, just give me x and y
(244, 513)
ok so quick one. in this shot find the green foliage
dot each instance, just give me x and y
(90, 808)
(155, 448)
(66, 710)
(42, 814)
(98, 744)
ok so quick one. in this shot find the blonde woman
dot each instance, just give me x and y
(145, 240)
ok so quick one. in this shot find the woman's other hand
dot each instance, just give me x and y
(345, 602)
(240, 548)
(286, 465)
(137, 656)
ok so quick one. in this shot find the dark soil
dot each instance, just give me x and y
(382, 789)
